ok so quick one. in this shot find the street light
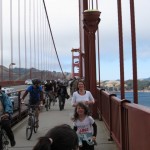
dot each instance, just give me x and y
(10, 70)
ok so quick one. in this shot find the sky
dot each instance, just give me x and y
(64, 23)
(63, 16)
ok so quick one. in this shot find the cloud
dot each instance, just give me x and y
(64, 21)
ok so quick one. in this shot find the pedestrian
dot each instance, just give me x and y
(62, 95)
(61, 137)
(35, 97)
(73, 85)
(82, 95)
(85, 127)
(6, 111)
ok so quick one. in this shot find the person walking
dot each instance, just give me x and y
(85, 127)
(62, 95)
(6, 111)
(61, 137)
(82, 95)
(35, 97)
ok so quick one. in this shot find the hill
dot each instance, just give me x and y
(23, 74)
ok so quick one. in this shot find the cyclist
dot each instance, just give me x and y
(49, 89)
(35, 97)
(6, 111)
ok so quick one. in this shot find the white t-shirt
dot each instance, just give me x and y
(76, 98)
(85, 130)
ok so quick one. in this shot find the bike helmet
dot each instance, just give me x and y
(36, 81)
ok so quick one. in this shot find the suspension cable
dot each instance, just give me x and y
(1, 36)
(52, 37)
(37, 35)
(19, 36)
(34, 33)
(11, 39)
(30, 36)
(98, 47)
(25, 36)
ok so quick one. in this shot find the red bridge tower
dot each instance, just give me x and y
(75, 63)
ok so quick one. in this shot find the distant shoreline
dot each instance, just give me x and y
(145, 91)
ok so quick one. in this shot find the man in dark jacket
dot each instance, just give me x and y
(62, 95)
(6, 111)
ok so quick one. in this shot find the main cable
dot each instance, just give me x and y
(52, 38)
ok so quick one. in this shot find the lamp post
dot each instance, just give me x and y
(10, 70)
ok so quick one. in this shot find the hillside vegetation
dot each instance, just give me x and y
(143, 84)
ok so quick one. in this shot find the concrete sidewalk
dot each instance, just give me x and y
(51, 118)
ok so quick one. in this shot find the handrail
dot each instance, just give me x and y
(122, 121)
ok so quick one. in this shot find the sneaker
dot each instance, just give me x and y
(13, 143)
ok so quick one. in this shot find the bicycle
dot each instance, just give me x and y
(53, 96)
(32, 124)
(49, 98)
(4, 141)
(47, 101)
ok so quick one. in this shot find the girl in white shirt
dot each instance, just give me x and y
(85, 127)
(82, 95)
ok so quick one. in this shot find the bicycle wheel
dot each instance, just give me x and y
(4, 140)
(47, 102)
(29, 128)
(54, 100)
(36, 125)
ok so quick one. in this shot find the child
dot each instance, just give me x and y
(85, 127)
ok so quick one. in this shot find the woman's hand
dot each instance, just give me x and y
(94, 138)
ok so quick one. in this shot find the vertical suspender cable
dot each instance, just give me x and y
(89, 5)
(53, 38)
(44, 45)
(34, 32)
(25, 37)
(1, 37)
(11, 34)
(134, 59)
(30, 38)
(98, 48)
(43, 41)
(37, 36)
(19, 37)
(92, 4)
(40, 40)
(121, 48)
(46, 49)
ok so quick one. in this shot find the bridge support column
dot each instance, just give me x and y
(91, 21)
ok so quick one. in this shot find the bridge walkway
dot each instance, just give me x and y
(51, 118)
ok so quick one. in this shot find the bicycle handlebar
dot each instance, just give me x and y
(31, 105)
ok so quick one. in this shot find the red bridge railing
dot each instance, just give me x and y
(128, 123)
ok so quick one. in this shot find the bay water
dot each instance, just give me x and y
(143, 97)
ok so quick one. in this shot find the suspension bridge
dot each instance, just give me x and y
(28, 50)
